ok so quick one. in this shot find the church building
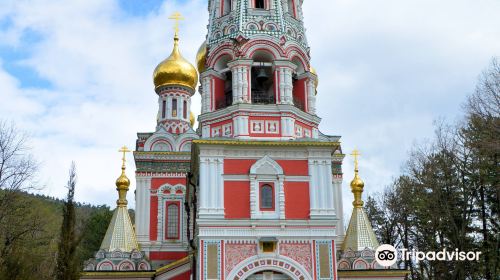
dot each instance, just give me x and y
(256, 191)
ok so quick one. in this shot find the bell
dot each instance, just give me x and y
(262, 75)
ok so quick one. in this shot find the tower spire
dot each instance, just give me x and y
(122, 183)
(357, 184)
(359, 233)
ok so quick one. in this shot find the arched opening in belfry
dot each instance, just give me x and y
(223, 94)
(262, 78)
(226, 6)
(299, 86)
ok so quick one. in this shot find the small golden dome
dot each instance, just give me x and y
(122, 182)
(313, 71)
(175, 70)
(201, 57)
(357, 183)
(192, 119)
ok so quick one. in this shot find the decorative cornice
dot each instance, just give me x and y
(267, 143)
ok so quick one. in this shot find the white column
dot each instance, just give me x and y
(168, 112)
(236, 85)
(206, 95)
(241, 84)
(142, 205)
(180, 105)
(281, 196)
(245, 85)
(253, 196)
(288, 85)
(203, 184)
(331, 196)
(327, 179)
(311, 96)
(320, 194)
(313, 187)
(220, 184)
(160, 219)
(281, 77)
(212, 187)
(337, 184)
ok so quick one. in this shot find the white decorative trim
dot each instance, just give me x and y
(263, 265)
(267, 170)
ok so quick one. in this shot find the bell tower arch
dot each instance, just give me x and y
(256, 61)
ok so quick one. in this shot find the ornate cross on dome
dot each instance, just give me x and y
(124, 150)
(177, 17)
(355, 154)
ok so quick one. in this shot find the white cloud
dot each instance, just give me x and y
(386, 68)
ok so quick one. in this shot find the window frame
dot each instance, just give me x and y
(265, 2)
(164, 109)
(293, 11)
(174, 107)
(273, 196)
(184, 109)
(223, 11)
(167, 212)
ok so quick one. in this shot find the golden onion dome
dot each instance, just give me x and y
(357, 183)
(201, 57)
(313, 71)
(175, 70)
(122, 183)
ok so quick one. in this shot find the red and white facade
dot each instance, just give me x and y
(255, 192)
(266, 184)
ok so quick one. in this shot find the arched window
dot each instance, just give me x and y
(163, 108)
(172, 221)
(291, 8)
(266, 197)
(174, 107)
(184, 110)
(226, 7)
(260, 4)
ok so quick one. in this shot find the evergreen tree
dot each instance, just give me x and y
(66, 268)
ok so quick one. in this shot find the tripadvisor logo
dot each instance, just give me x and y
(387, 255)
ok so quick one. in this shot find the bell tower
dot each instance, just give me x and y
(255, 61)
(265, 183)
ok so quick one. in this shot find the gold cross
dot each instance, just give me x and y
(176, 16)
(124, 150)
(355, 154)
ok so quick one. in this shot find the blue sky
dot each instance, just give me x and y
(76, 75)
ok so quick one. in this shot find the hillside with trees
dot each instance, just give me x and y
(31, 225)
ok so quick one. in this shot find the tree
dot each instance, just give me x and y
(448, 196)
(93, 233)
(67, 267)
(482, 128)
(17, 173)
